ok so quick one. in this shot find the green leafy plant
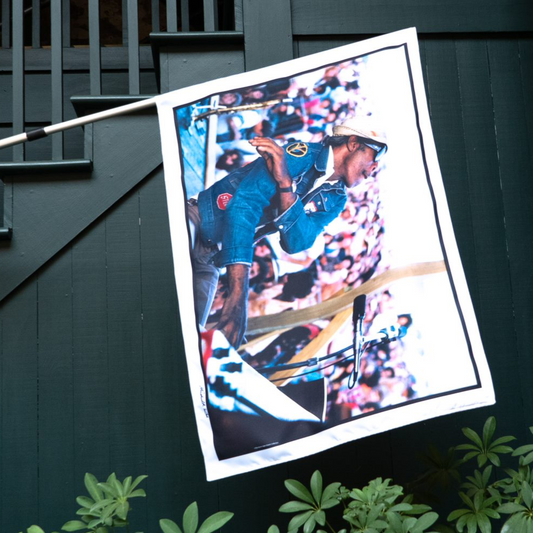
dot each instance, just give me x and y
(107, 508)
(108, 505)
(373, 509)
(486, 501)
(34, 529)
(190, 522)
(311, 504)
(483, 448)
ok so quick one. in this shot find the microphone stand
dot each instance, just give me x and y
(359, 306)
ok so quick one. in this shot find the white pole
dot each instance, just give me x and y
(68, 124)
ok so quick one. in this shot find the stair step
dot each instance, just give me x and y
(35, 167)
(85, 105)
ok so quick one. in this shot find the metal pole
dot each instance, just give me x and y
(39, 133)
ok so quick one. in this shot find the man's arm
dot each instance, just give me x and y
(234, 313)
(274, 157)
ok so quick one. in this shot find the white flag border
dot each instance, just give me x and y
(376, 422)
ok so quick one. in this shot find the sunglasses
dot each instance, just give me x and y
(380, 149)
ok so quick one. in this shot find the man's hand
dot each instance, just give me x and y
(235, 313)
(274, 157)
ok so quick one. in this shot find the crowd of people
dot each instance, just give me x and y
(350, 252)
(307, 107)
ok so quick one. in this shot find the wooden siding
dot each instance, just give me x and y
(92, 370)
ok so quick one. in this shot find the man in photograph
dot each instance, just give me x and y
(296, 190)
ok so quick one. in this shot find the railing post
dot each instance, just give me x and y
(210, 15)
(5, 230)
(66, 23)
(57, 77)
(6, 26)
(185, 25)
(133, 47)
(95, 56)
(36, 24)
(172, 16)
(156, 26)
(18, 76)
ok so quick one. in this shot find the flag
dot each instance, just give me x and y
(321, 292)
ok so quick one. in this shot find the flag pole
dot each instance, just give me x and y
(39, 133)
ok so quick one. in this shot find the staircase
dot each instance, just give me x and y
(67, 180)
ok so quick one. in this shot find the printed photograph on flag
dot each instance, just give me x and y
(321, 293)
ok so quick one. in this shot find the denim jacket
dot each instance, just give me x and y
(245, 201)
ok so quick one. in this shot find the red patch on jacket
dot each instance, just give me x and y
(223, 199)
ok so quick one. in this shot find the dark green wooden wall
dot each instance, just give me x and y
(92, 371)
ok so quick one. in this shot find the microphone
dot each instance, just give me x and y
(386, 335)
(358, 316)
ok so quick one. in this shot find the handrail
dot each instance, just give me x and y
(62, 33)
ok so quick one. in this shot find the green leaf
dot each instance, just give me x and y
(299, 490)
(34, 529)
(74, 525)
(273, 529)
(394, 521)
(501, 449)
(522, 450)
(503, 440)
(215, 521)
(527, 459)
(469, 456)
(310, 524)
(494, 459)
(168, 526)
(127, 485)
(137, 481)
(527, 494)
(117, 485)
(425, 521)
(409, 523)
(329, 492)
(471, 523)
(122, 510)
(488, 430)
(484, 523)
(401, 507)
(473, 436)
(510, 508)
(419, 508)
(462, 522)
(491, 513)
(467, 447)
(454, 515)
(316, 486)
(515, 523)
(295, 507)
(190, 518)
(478, 500)
(358, 494)
(137, 493)
(108, 511)
(109, 489)
(86, 512)
(84, 501)
(91, 484)
(466, 499)
(328, 504)
(320, 517)
(101, 504)
(299, 520)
